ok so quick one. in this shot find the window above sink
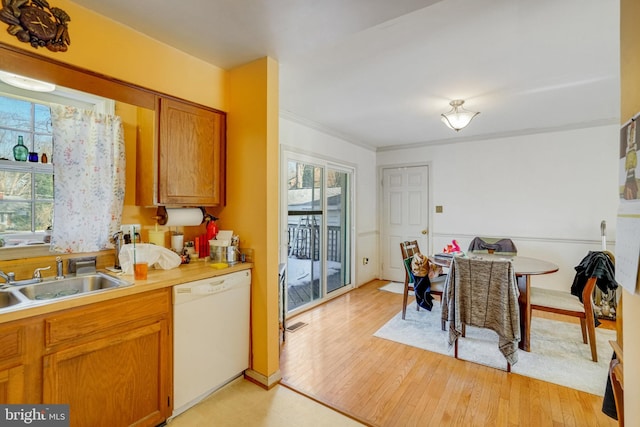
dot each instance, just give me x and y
(26, 187)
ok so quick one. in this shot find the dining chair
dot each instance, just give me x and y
(568, 304)
(617, 385)
(483, 293)
(493, 245)
(408, 249)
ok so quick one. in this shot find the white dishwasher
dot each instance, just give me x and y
(210, 336)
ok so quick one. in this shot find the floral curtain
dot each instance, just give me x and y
(89, 179)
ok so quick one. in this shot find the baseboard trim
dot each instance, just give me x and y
(263, 380)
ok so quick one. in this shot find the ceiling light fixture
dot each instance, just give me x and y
(26, 82)
(458, 118)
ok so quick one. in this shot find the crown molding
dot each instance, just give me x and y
(287, 115)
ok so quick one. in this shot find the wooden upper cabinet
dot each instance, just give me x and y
(180, 146)
(181, 155)
(191, 154)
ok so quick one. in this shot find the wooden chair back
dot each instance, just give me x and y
(561, 302)
(617, 385)
(408, 249)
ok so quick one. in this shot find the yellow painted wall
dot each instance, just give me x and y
(252, 195)
(106, 47)
(630, 105)
(102, 45)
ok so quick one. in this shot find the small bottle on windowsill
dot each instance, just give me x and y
(20, 151)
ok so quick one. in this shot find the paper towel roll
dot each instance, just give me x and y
(183, 216)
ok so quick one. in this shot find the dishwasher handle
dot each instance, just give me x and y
(204, 288)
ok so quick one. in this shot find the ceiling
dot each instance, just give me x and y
(379, 73)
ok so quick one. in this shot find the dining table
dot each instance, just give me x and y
(524, 268)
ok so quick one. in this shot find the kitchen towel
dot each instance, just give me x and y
(155, 256)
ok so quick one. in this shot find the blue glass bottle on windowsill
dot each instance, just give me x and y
(20, 151)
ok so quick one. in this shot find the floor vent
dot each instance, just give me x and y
(295, 326)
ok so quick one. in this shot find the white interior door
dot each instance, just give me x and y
(405, 215)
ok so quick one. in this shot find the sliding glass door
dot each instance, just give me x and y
(318, 231)
(338, 226)
(304, 224)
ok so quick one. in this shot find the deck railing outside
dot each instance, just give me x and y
(300, 242)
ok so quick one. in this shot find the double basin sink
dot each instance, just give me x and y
(23, 296)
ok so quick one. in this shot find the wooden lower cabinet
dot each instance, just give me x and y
(112, 361)
(12, 385)
(118, 380)
(19, 363)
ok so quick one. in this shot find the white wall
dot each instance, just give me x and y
(306, 140)
(548, 192)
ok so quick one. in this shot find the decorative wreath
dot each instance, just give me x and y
(35, 22)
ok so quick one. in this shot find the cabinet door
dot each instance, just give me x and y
(19, 363)
(117, 380)
(191, 149)
(12, 385)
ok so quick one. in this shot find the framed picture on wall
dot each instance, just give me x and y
(628, 223)
(629, 178)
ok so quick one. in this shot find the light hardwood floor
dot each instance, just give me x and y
(336, 360)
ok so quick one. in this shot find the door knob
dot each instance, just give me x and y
(424, 231)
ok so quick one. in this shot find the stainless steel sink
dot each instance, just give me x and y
(71, 286)
(8, 299)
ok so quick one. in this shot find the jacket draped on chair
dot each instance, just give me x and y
(492, 244)
(483, 293)
(595, 264)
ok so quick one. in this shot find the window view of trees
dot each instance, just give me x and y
(26, 188)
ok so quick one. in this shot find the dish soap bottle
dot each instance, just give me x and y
(20, 151)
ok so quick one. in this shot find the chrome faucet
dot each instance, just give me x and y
(59, 272)
(37, 275)
(10, 278)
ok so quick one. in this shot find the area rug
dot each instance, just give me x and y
(394, 287)
(557, 353)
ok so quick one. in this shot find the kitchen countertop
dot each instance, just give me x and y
(156, 279)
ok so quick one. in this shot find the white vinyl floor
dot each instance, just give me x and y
(243, 403)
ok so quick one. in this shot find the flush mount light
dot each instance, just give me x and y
(26, 82)
(458, 118)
